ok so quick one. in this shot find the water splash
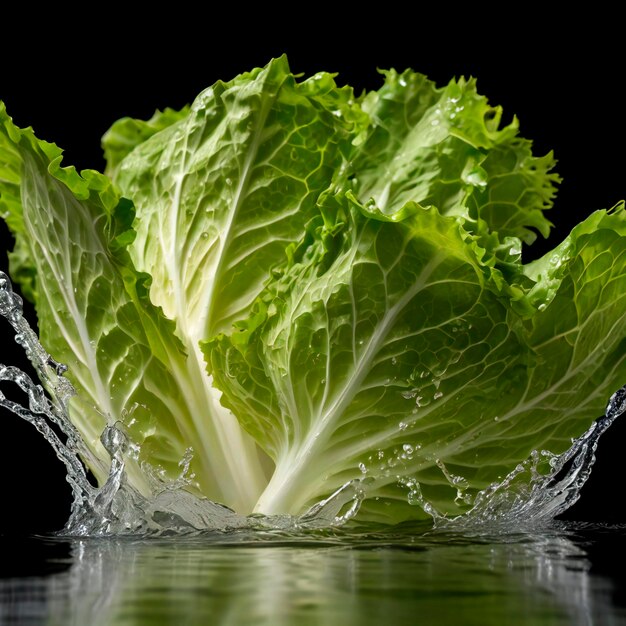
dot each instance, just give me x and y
(528, 497)
(117, 508)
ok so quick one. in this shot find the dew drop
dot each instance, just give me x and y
(476, 177)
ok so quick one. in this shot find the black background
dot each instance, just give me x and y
(561, 78)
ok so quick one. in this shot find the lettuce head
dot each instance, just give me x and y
(306, 288)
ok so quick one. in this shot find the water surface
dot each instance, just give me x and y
(562, 574)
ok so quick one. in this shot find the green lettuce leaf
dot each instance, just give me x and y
(222, 193)
(445, 147)
(400, 361)
(127, 133)
(95, 315)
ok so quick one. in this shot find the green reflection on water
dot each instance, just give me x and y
(436, 578)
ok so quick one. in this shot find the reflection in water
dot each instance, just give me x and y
(433, 578)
